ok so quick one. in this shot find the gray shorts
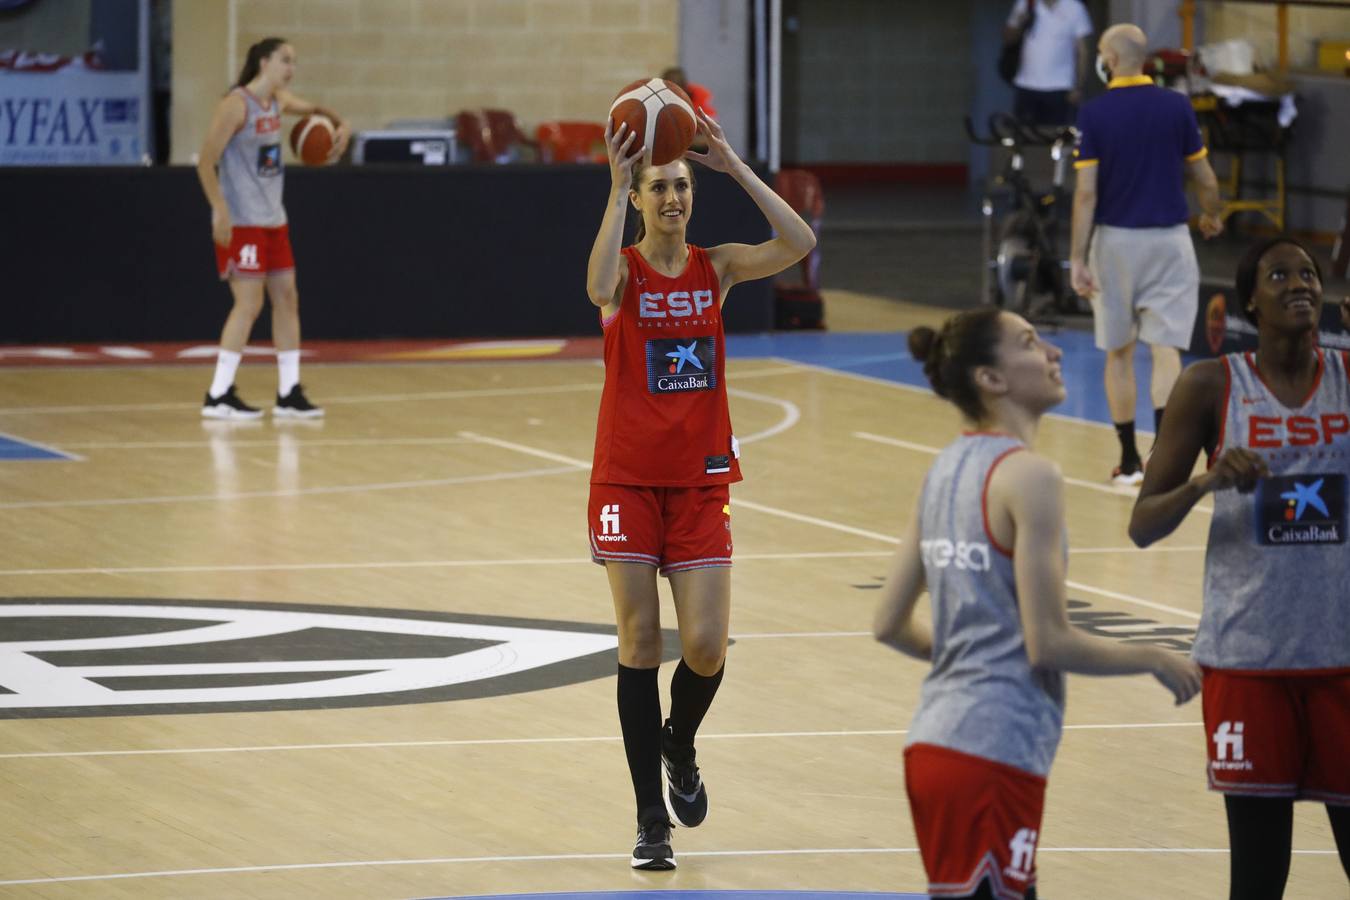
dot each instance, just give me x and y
(1148, 286)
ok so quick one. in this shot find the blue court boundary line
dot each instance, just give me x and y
(17, 449)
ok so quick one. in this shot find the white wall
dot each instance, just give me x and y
(714, 50)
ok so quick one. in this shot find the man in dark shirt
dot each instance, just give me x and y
(1136, 144)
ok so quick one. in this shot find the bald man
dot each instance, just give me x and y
(1137, 144)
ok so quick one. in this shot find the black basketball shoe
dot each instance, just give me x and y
(296, 405)
(686, 797)
(652, 850)
(228, 406)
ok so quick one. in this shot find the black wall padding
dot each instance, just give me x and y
(97, 255)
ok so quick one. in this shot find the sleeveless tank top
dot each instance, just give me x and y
(251, 167)
(982, 697)
(1277, 567)
(664, 419)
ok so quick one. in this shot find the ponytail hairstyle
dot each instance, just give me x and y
(256, 54)
(950, 356)
(1245, 282)
(639, 168)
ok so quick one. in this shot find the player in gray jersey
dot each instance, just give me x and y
(988, 541)
(240, 169)
(1274, 636)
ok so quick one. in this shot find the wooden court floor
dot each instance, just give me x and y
(459, 491)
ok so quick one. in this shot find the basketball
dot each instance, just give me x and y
(661, 114)
(312, 139)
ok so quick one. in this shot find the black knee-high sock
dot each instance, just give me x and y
(1129, 452)
(690, 696)
(1260, 836)
(640, 719)
(985, 892)
(1340, 827)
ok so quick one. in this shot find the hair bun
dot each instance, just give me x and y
(921, 342)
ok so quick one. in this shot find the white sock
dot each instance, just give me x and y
(288, 371)
(227, 363)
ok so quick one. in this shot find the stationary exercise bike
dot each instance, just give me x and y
(1025, 269)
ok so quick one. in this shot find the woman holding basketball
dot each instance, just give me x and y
(988, 540)
(248, 223)
(665, 455)
(1274, 636)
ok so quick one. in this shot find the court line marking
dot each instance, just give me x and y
(470, 563)
(409, 564)
(557, 857)
(839, 526)
(791, 415)
(782, 368)
(307, 442)
(482, 742)
(928, 392)
(291, 492)
(1076, 482)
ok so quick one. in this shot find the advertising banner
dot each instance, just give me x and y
(72, 116)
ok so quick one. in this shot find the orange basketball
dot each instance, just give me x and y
(312, 139)
(661, 114)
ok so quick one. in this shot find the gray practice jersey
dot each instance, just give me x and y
(982, 696)
(1277, 569)
(250, 167)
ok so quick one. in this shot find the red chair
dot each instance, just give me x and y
(471, 133)
(492, 135)
(797, 303)
(571, 142)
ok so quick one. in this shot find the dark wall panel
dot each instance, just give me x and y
(126, 254)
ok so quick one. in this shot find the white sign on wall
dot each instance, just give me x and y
(73, 116)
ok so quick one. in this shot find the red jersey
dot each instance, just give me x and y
(664, 419)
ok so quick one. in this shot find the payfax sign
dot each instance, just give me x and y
(72, 117)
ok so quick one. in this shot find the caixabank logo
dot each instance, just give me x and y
(1302, 509)
(107, 657)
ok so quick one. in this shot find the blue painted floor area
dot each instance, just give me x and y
(13, 449)
(701, 895)
(886, 356)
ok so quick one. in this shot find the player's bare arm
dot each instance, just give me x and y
(894, 623)
(227, 119)
(606, 276)
(1029, 491)
(1194, 411)
(735, 263)
(294, 104)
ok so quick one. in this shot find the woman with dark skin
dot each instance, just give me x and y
(1274, 637)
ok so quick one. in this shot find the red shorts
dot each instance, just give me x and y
(674, 529)
(1279, 735)
(255, 252)
(976, 819)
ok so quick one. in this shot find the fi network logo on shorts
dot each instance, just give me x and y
(609, 524)
(82, 657)
(1302, 509)
(1228, 747)
(1023, 850)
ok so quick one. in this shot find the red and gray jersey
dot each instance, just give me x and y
(1277, 566)
(982, 697)
(251, 167)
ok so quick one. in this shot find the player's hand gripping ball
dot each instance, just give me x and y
(312, 139)
(661, 114)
